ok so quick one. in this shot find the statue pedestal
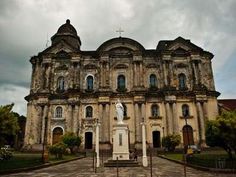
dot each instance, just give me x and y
(120, 142)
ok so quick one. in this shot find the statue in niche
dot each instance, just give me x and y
(119, 111)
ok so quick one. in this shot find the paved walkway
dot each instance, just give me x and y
(83, 168)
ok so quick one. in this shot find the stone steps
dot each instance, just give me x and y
(121, 163)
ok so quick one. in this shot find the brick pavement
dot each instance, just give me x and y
(83, 168)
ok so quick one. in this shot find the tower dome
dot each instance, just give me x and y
(68, 33)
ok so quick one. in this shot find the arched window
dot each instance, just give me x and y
(89, 112)
(155, 110)
(125, 110)
(89, 83)
(121, 82)
(152, 81)
(61, 83)
(58, 112)
(185, 110)
(182, 81)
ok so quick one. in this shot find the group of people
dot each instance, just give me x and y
(133, 155)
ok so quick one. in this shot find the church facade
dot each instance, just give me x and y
(171, 88)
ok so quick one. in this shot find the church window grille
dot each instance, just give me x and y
(182, 81)
(61, 83)
(89, 112)
(58, 113)
(155, 110)
(90, 83)
(153, 81)
(121, 82)
(185, 110)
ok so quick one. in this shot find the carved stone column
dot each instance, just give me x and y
(168, 118)
(137, 123)
(165, 74)
(107, 74)
(68, 124)
(135, 74)
(102, 121)
(107, 129)
(201, 122)
(141, 74)
(195, 73)
(175, 118)
(200, 71)
(76, 119)
(44, 114)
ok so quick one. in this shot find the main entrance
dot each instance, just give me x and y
(156, 139)
(88, 140)
(57, 133)
(188, 135)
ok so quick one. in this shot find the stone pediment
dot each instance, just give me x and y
(60, 46)
(180, 52)
(62, 55)
(182, 44)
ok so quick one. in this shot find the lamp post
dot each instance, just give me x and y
(97, 143)
(45, 149)
(145, 163)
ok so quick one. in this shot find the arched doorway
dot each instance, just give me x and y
(188, 135)
(56, 134)
(156, 139)
(88, 140)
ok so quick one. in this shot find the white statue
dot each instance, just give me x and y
(119, 111)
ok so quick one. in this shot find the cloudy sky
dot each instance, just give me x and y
(25, 25)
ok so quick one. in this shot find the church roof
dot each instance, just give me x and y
(120, 42)
(228, 104)
(68, 33)
(67, 28)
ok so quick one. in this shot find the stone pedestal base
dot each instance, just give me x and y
(120, 142)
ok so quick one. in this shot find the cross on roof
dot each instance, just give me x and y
(120, 31)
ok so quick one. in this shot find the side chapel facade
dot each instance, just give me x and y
(171, 88)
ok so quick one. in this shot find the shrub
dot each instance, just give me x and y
(58, 149)
(5, 154)
(71, 140)
(171, 141)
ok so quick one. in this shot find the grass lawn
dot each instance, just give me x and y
(211, 159)
(175, 156)
(23, 160)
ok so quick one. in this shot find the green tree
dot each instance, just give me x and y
(71, 140)
(58, 149)
(8, 123)
(222, 132)
(171, 141)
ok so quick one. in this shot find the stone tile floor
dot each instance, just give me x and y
(84, 168)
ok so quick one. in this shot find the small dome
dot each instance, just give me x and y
(67, 28)
(67, 33)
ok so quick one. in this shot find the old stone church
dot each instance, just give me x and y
(171, 88)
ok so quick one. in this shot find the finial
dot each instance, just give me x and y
(68, 21)
(120, 31)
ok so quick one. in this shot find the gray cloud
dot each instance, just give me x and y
(25, 24)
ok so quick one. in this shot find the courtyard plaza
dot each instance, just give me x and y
(84, 168)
